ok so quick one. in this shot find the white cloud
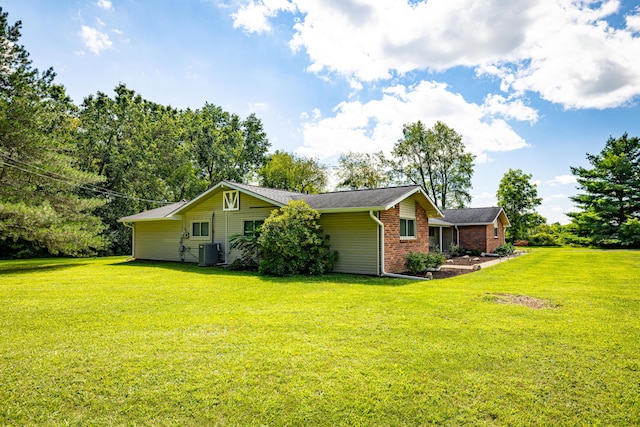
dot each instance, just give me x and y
(572, 57)
(562, 49)
(510, 109)
(94, 39)
(253, 16)
(483, 200)
(633, 20)
(258, 106)
(100, 22)
(376, 125)
(104, 4)
(562, 180)
(554, 197)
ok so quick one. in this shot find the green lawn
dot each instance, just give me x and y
(110, 342)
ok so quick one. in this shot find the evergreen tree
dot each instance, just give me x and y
(610, 198)
(40, 182)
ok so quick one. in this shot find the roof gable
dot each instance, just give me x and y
(475, 216)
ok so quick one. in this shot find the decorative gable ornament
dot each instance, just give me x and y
(231, 200)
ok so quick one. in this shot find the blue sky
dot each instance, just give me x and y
(531, 85)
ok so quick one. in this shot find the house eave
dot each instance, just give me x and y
(355, 209)
(165, 218)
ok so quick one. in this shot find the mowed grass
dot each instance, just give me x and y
(110, 342)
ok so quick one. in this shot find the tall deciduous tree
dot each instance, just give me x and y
(610, 198)
(435, 159)
(225, 146)
(39, 178)
(518, 196)
(135, 145)
(362, 170)
(152, 154)
(286, 171)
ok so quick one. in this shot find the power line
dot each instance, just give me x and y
(30, 165)
(70, 181)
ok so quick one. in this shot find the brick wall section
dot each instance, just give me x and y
(395, 249)
(474, 237)
(480, 237)
(492, 242)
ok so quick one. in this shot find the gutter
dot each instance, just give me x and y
(384, 273)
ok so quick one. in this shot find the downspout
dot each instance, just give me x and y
(457, 235)
(133, 239)
(384, 273)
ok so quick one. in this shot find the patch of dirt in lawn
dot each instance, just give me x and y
(523, 300)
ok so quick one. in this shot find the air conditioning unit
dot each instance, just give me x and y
(208, 254)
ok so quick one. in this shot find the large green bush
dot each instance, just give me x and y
(543, 239)
(292, 242)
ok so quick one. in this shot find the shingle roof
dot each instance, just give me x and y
(158, 213)
(280, 196)
(471, 215)
(376, 199)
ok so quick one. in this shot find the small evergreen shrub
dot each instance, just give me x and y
(415, 262)
(455, 250)
(434, 260)
(249, 251)
(506, 249)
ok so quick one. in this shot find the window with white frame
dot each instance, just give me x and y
(407, 219)
(200, 229)
(251, 227)
(407, 228)
(230, 201)
(495, 229)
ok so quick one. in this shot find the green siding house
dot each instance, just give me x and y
(372, 230)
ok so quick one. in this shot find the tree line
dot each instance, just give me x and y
(68, 172)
